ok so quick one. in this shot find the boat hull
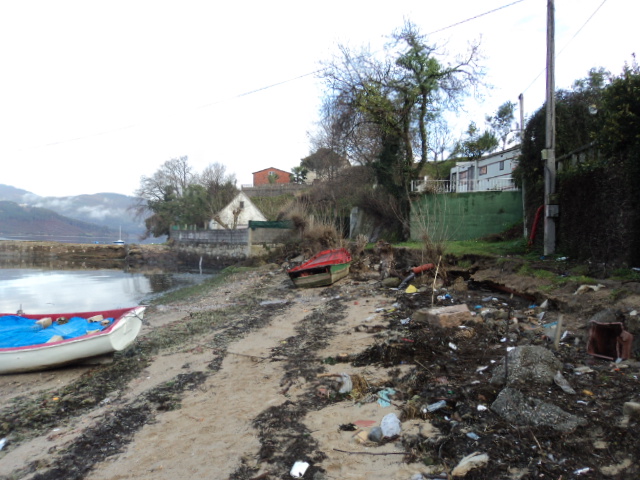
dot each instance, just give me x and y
(322, 279)
(122, 333)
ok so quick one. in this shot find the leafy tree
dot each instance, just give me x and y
(272, 177)
(475, 144)
(220, 187)
(502, 121)
(175, 195)
(621, 112)
(299, 174)
(325, 163)
(392, 102)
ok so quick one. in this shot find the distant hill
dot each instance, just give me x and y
(88, 214)
(34, 221)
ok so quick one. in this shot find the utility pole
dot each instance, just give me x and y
(549, 153)
(524, 186)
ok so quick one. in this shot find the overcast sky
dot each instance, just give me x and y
(96, 94)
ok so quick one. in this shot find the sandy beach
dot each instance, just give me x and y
(244, 382)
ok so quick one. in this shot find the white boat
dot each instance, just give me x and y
(105, 332)
(119, 241)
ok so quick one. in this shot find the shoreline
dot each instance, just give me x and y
(242, 380)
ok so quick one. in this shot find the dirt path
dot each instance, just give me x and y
(243, 382)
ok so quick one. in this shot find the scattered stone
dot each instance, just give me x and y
(450, 316)
(630, 410)
(391, 282)
(527, 364)
(515, 407)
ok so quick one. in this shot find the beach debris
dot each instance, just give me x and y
(586, 288)
(608, 337)
(434, 406)
(563, 383)
(580, 471)
(299, 468)
(390, 425)
(347, 385)
(449, 316)
(3, 442)
(468, 463)
(383, 397)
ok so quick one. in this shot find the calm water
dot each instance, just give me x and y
(59, 291)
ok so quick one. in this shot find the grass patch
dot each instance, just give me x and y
(626, 275)
(475, 247)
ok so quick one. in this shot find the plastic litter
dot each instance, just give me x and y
(434, 406)
(482, 408)
(580, 471)
(411, 289)
(298, 469)
(563, 384)
(468, 463)
(347, 385)
(390, 425)
(3, 442)
(473, 436)
(383, 397)
(452, 346)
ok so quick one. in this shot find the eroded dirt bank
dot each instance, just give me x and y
(243, 382)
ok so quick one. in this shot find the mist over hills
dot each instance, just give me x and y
(95, 215)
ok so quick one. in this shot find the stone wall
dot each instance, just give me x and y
(226, 247)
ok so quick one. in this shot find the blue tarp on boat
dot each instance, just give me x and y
(17, 331)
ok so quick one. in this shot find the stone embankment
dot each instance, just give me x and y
(79, 255)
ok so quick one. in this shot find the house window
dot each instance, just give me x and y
(501, 164)
(241, 204)
(483, 170)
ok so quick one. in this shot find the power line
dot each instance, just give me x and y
(475, 17)
(567, 44)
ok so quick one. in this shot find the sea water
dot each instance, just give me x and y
(37, 290)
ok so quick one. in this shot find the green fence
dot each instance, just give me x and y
(464, 216)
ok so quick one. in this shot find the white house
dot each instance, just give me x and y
(237, 214)
(492, 172)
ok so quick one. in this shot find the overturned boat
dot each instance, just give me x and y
(323, 269)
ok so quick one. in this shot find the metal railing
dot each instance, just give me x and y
(463, 186)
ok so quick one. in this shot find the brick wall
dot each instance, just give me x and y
(262, 177)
